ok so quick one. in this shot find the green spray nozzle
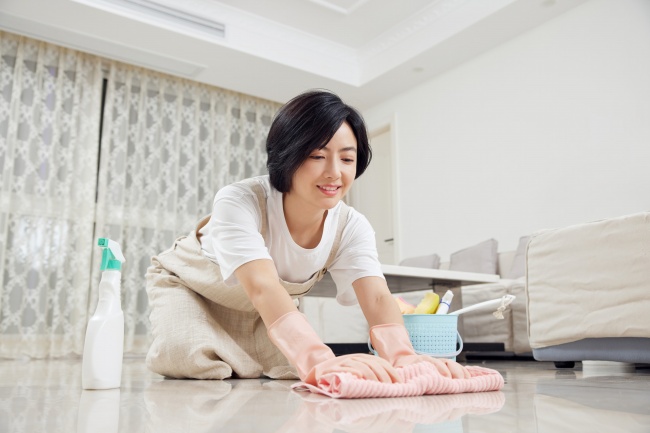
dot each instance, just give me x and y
(112, 257)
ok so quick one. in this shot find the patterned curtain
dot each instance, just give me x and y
(167, 146)
(50, 103)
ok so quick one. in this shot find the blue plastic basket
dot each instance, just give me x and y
(433, 335)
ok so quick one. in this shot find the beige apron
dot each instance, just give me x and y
(204, 329)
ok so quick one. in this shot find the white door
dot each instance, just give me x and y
(372, 195)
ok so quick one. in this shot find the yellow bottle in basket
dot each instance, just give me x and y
(429, 304)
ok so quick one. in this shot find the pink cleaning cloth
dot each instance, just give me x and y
(417, 379)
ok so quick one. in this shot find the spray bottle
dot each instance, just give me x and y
(104, 346)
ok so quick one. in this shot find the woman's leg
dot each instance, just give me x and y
(185, 336)
(195, 335)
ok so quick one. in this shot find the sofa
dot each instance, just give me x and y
(339, 325)
(588, 291)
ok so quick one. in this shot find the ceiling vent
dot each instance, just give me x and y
(171, 15)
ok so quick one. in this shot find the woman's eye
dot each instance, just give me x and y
(348, 160)
(317, 157)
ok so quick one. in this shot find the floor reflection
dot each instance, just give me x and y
(609, 395)
(47, 396)
(224, 406)
(270, 406)
(402, 415)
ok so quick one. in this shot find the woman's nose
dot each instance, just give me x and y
(333, 169)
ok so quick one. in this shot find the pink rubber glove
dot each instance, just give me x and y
(299, 343)
(304, 350)
(362, 365)
(392, 342)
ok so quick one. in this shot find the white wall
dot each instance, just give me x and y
(549, 129)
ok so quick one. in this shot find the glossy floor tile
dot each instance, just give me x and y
(46, 396)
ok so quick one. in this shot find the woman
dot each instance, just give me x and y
(222, 298)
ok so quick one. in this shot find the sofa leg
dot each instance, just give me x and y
(564, 364)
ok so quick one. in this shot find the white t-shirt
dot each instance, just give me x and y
(232, 237)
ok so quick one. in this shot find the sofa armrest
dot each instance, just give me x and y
(589, 281)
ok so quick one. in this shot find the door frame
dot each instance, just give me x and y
(389, 124)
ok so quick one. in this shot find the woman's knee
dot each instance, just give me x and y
(184, 361)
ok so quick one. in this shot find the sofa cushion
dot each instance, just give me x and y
(481, 258)
(431, 261)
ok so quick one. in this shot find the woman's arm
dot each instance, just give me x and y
(262, 286)
(290, 331)
(376, 301)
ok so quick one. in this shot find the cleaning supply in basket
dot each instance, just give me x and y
(443, 308)
(104, 344)
(502, 302)
(428, 304)
(437, 335)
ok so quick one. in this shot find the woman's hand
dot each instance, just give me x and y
(361, 365)
(446, 367)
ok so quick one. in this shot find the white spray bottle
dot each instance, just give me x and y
(104, 346)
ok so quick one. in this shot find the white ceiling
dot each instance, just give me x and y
(353, 23)
(365, 50)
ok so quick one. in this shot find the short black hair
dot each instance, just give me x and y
(307, 123)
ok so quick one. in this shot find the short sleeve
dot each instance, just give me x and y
(234, 231)
(356, 258)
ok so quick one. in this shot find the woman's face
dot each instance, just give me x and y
(328, 173)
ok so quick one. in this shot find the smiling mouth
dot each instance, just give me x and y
(329, 190)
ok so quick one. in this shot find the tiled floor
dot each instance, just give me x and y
(46, 396)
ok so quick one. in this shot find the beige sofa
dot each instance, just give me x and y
(588, 288)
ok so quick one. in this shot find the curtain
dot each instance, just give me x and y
(166, 146)
(50, 102)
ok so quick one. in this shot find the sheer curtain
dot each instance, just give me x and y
(167, 145)
(50, 102)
